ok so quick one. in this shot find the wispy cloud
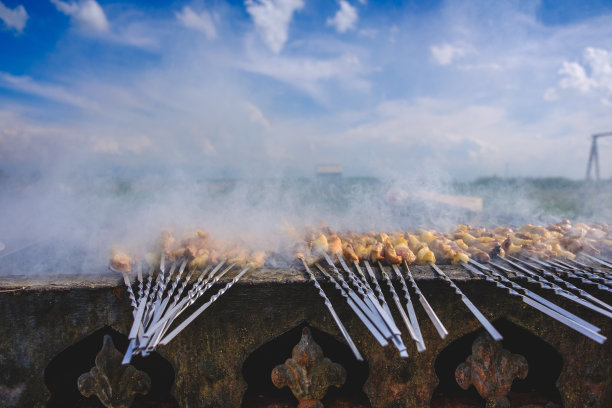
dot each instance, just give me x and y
(52, 92)
(202, 21)
(14, 19)
(312, 75)
(86, 13)
(345, 18)
(272, 19)
(445, 54)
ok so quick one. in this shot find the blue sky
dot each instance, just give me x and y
(459, 89)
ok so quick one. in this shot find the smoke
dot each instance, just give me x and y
(107, 147)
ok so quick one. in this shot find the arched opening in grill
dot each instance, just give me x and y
(62, 373)
(258, 366)
(538, 388)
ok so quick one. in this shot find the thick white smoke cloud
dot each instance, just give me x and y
(93, 156)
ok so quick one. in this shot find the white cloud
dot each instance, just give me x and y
(202, 22)
(272, 19)
(596, 74)
(345, 19)
(600, 63)
(575, 77)
(446, 53)
(14, 18)
(87, 13)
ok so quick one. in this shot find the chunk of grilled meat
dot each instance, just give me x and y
(121, 262)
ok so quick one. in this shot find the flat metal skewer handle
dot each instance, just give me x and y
(395, 333)
(545, 284)
(202, 308)
(483, 320)
(379, 291)
(372, 301)
(568, 285)
(357, 309)
(410, 309)
(543, 301)
(596, 260)
(330, 307)
(573, 272)
(428, 309)
(368, 309)
(512, 288)
(194, 294)
(398, 304)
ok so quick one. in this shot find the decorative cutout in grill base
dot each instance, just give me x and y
(114, 384)
(308, 374)
(491, 369)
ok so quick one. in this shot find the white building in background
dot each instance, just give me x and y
(329, 174)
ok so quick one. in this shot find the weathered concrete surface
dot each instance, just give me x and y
(43, 317)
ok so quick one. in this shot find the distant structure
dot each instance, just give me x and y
(594, 156)
(329, 174)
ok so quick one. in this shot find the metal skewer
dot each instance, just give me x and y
(573, 273)
(157, 331)
(154, 340)
(161, 304)
(364, 304)
(595, 270)
(483, 320)
(195, 292)
(533, 277)
(516, 290)
(140, 280)
(202, 308)
(379, 291)
(330, 307)
(366, 291)
(157, 291)
(565, 283)
(137, 324)
(410, 309)
(147, 344)
(596, 260)
(371, 302)
(128, 286)
(539, 298)
(428, 309)
(397, 301)
(591, 272)
(164, 301)
(352, 304)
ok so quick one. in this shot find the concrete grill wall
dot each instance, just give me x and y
(43, 318)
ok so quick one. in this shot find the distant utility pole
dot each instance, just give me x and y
(594, 157)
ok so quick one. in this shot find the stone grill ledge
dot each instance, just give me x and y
(44, 316)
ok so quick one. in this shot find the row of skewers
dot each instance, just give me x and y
(534, 254)
(187, 270)
(182, 271)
